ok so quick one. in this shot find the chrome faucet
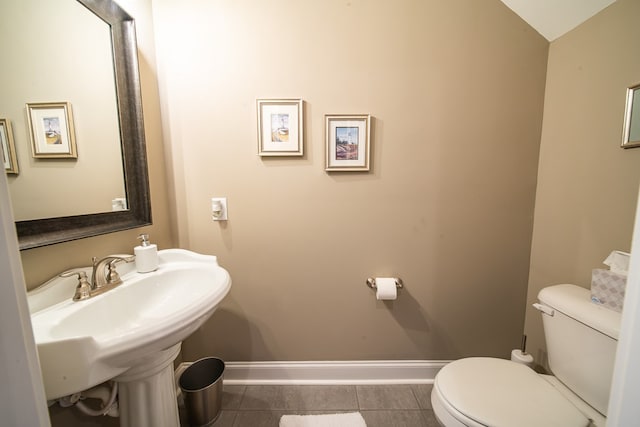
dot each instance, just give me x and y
(104, 276)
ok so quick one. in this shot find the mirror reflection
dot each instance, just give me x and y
(122, 64)
(58, 51)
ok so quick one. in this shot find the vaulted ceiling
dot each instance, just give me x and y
(553, 18)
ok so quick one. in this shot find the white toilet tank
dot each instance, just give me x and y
(581, 341)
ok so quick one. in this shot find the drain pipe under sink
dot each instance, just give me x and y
(107, 396)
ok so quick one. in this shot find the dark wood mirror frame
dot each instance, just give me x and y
(43, 232)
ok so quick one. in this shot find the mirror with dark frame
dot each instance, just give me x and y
(41, 232)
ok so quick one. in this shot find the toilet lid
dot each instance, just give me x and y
(501, 393)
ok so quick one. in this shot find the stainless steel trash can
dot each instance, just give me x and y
(201, 385)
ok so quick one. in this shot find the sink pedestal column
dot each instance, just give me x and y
(147, 392)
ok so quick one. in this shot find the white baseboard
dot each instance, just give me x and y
(329, 373)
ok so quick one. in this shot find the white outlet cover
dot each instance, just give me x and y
(223, 202)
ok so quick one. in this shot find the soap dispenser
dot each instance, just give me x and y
(146, 255)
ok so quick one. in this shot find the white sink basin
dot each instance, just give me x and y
(84, 343)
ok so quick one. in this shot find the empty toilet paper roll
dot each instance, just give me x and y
(386, 288)
(523, 358)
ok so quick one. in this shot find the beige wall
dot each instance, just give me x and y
(43, 263)
(456, 91)
(587, 184)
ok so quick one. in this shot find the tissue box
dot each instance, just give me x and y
(607, 288)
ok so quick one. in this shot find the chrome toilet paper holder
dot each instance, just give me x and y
(371, 282)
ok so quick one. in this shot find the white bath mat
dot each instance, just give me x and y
(352, 419)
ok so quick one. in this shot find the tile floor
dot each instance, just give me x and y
(380, 405)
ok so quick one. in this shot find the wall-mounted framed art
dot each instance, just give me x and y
(52, 131)
(280, 127)
(9, 158)
(348, 142)
(631, 130)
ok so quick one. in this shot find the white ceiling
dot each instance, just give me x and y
(553, 18)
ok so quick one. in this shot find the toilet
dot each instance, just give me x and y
(581, 344)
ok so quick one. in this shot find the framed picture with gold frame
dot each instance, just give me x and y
(280, 127)
(9, 157)
(348, 142)
(51, 130)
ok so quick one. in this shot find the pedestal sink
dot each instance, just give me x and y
(131, 334)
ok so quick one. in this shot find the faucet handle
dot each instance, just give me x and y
(123, 258)
(83, 289)
(113, 278)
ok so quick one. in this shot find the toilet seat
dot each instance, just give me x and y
(482, 391)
